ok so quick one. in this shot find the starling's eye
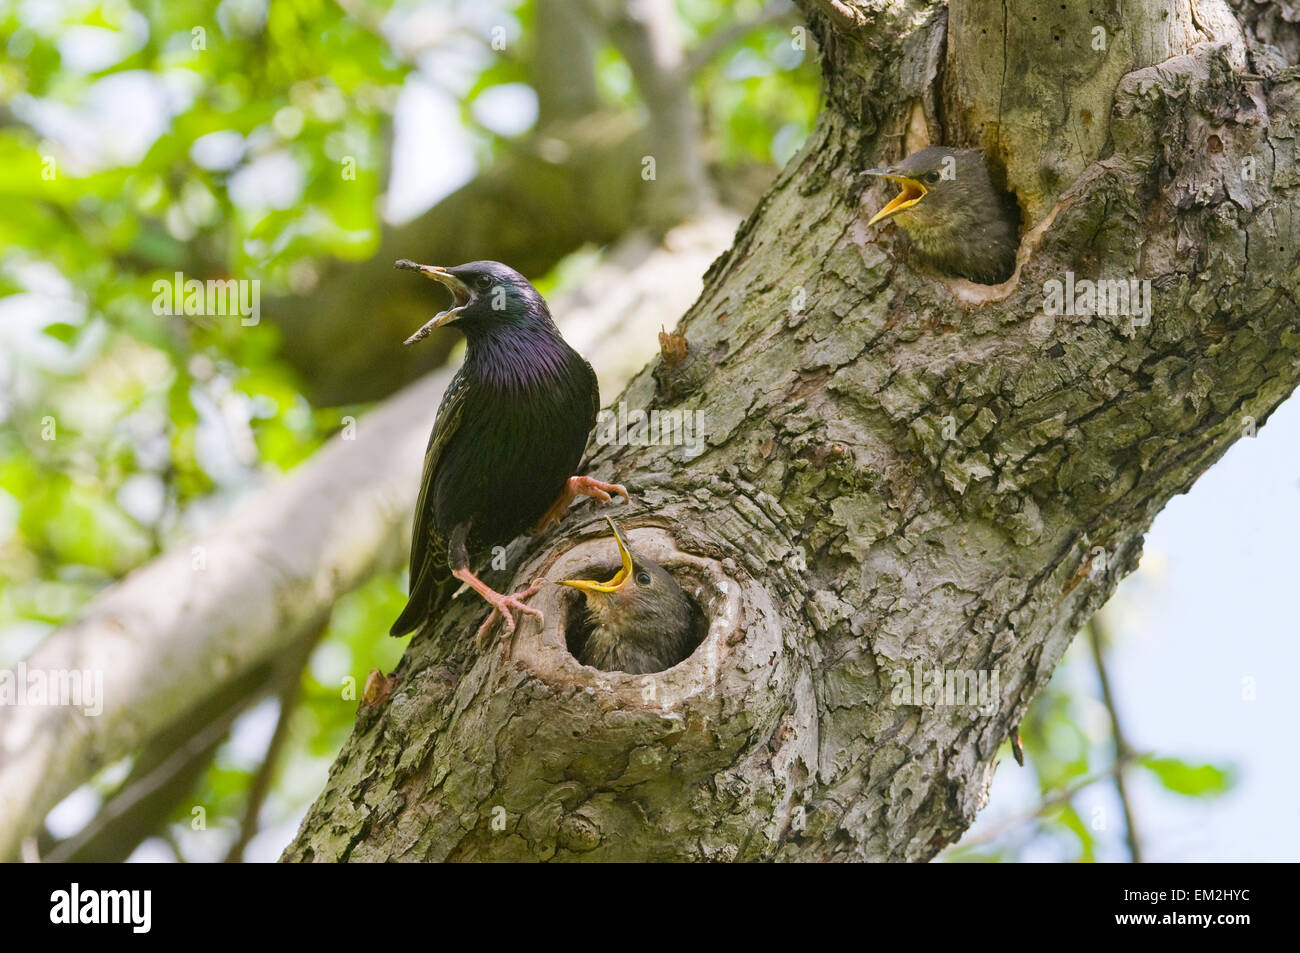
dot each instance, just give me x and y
(483, 282)
(643, 579)
(932, 177)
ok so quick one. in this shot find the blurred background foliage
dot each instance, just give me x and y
(280, 141)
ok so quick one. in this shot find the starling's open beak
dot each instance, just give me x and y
(460, 294)
(913, 192)
(620, 578)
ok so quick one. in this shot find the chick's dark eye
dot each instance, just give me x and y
(643, 579)
(932, 177)
(483, 282)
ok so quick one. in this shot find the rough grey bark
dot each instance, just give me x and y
(1031, 84)
(901, 469)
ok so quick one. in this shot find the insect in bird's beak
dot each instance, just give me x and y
(620, 578)
(913, 191)
(460, 294)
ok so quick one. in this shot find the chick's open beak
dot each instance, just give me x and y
(912, 192)
(460, 294)
(620, 578)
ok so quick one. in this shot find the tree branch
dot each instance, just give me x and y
(846, 16)
(1064, 796)
(648, 36)
(564, 62)
(159, 781)
(1123, 750)
(289, 680)
(724, 37)
(184, 762)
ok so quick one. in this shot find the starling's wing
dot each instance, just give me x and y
(595, 393)
(429, 568)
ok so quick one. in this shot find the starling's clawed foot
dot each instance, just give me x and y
(503, 604)
(586, 486)
(581, 486)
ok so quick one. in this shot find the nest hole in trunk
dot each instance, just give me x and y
(552, 649)
(578, 623)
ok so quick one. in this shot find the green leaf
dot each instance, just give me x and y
(1192, 780)
(61, 331)
(1070, 819)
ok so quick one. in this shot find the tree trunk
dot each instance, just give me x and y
(901, 471)
(1032, 84)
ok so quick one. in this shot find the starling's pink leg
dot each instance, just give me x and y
(580, 486)
(500, 603)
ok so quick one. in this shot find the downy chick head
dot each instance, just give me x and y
(957, 220)
(642, 607)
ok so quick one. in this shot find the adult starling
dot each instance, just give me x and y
(641, 620)
(509, 434)
(957, 221)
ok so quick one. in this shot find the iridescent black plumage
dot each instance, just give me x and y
(509, 434)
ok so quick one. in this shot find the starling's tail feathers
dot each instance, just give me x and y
(430, 591)
(410, 618)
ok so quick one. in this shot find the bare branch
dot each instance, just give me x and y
(1064, 796)
(844, 16)
(563, 62)
(289, 679)
(1123, 750)
(721, 39)
(648, 36)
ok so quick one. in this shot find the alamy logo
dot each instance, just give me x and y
(209, 298)
(1105, 297)
(54, 687)
(978, 688)
(637, 428)
(134, 907)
